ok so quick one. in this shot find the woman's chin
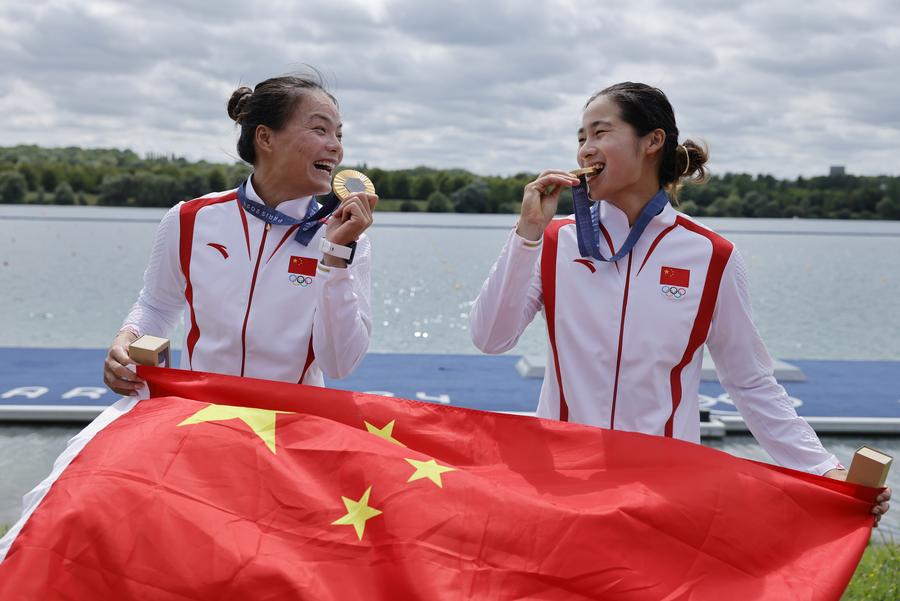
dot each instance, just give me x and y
(316, 185)
(596, 191)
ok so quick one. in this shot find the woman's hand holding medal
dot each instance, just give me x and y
(539, 202)
(354, 215)
(351, 218)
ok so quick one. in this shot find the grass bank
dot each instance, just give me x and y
(878, 575)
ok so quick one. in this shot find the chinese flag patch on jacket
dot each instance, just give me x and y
(302, 265)
(675, 276)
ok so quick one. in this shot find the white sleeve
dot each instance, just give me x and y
(509, 298)
(161, 301)
(343, 319)
(746, 372)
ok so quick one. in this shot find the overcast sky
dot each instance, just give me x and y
(786, 88)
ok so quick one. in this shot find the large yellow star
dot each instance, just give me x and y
(358, 512)
(387, 432)
(429, 469)
(261, 421)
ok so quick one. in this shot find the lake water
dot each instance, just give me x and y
(68, 275)
(821, 289)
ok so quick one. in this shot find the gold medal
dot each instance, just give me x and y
(584, 171)
(349, 182)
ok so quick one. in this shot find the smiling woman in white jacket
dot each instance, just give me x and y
(244, 267)
(632, 289)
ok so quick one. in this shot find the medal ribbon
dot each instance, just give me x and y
(587, 222)
(309, 225)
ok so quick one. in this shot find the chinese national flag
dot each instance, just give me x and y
(231, 488)
(675, 276)
(302, 265)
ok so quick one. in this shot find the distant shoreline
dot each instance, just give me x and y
(438, 226)
(34, 175)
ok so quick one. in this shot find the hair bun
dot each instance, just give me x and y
(238, 102)
(694, 167)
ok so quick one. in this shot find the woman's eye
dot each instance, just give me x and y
(580, 141)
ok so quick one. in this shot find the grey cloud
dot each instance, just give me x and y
(800, 21)
(68, 40)
(198, 12)
(834, 56)
(496, 87)
(478, 24)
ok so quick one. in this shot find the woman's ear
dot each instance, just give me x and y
(262, 138)
(654, 141)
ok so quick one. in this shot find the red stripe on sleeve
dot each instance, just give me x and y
(187, 218)
(721, 251)
(548, 285)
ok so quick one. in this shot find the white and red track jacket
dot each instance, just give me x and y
(256, 302)
(626, 338)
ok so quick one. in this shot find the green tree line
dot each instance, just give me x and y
(36, 175)
(31, 174)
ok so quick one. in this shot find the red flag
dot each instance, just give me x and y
(302, 265)
(675, 276)
(289, 491)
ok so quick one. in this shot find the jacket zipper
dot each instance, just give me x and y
(612, 417)
(262, 245)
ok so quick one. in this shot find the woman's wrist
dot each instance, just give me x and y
(332, 261)
(127, 334)
(836, 473)
(337, 236)
(530, 231)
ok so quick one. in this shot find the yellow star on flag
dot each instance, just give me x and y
(387, 432)
(429, 469)
(358, 513)
(261, 421)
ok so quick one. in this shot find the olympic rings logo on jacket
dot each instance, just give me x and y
(300, 280)
(673, 291)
